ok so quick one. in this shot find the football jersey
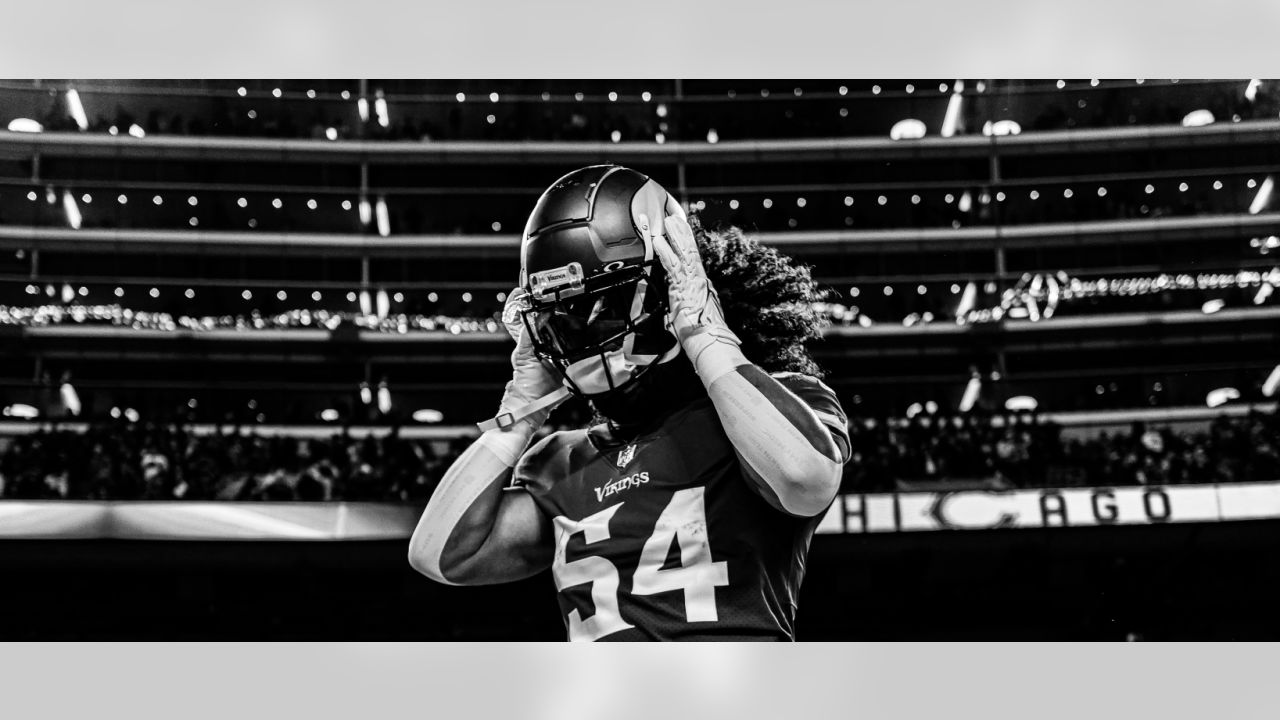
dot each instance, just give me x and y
(662, 537)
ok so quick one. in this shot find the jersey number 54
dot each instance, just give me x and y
(684, 519)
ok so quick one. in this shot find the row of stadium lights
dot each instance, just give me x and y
(71, 401)
(1025, 403)
(843, 90)
(906, 129)
(380, 210)
(366, 299)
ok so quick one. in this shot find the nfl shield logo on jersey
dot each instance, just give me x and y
(625, 457)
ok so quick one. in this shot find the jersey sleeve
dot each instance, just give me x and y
(822, 400)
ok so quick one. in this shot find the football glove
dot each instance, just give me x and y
(695, 315)
(533, 391)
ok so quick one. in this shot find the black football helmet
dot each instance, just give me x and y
(597, 303)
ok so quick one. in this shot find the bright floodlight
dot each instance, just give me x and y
(914, 409)
(1251, 90)
(966, 202)
(1021, 403)
(967, 301)
(384, 398)
(1221, 396)
(366, 212)
(25, 125)
(1198, 118)
(952, 119)
(909, 129)
(329, 415)
(384, 218)
(72, 210)
(363, 106)
(137, 131)
(426, 415)
(1273, 381)
(384, 305)
(380, 107)
(1263, 293)
(1264, 194)
(20, 410)
(70, 398)
(366, 303)
(76, 109)
(970, 394)
(366, 395)
(131, 415)
(1212, 306)
(1001, 128)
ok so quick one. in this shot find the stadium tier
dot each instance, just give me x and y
(288, 260)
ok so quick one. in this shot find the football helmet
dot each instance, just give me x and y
(596, 308)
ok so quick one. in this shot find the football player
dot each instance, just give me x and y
(686, 512)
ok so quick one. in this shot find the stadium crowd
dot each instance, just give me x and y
(131, 461)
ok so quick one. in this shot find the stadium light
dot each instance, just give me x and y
(1197, 118)
(1263, 293)
(71, 209)
(25, 125)
(366, 394)
(131, 415)
(967, 301)
(329, 415)
(1212, 306)
(380, 108)
(366, 211)
(1001, 128)
(971, 393)
(76, 109)
(137, 131)
(1021, 403)
(914, 409)
(966, 202)
(384, 217)
(1221, 396)
(427, 415)
(366, 303)
(384, 305)
(908, 129)
(1264, 194)
(21, 410)
(1272, 382)
(70, 398)
(68, 293)
(1251, 90)
(931, 407)
(952, 118)
(362, 105)
(384, 398)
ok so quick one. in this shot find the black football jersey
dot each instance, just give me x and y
(663, 538)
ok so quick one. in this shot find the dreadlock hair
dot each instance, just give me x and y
(767, 298)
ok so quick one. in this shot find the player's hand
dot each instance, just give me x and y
(694, 306)
(530, 378)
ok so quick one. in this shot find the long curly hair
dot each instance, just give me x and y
(768, 299)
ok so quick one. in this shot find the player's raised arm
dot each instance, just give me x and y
(471, 532)
(789, 451)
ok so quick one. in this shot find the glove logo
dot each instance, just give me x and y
(626, 456)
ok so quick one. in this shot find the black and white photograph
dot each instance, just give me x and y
(639, 359)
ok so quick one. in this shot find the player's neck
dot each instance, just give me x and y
(662, 390)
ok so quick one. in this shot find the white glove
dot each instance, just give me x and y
(534, 391)
(695, 313)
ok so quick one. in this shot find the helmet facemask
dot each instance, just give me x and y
(603, 333)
